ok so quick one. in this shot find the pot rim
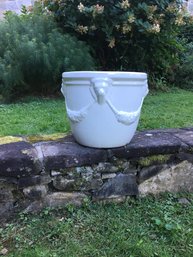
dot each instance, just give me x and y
(111, 74)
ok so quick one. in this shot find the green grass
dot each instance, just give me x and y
(148, 227)
(38, 116)
(172, 109)
(46, 116)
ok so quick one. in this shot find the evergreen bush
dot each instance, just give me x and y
(184, 71)
(34, 53)
(125, 34)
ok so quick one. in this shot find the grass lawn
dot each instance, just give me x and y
(38, 116)
(148, 227)
(46, 116)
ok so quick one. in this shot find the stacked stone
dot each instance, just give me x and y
(59, 172)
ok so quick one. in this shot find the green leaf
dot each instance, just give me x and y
(169, 226)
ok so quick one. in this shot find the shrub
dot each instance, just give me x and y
(186, 30)
(125, 34)
(34, 53)
(184, 71)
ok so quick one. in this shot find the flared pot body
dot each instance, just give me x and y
(104, 107)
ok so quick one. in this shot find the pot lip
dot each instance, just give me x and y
(111, 74)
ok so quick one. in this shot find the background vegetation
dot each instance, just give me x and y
(34, 53)
(56, 36)
(184, 70)
(127, 35)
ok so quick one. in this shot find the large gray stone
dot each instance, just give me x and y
(145, 144)
(19, 159)
(34, 180)
(57, 199)
(35, 192)
(59, 155)
(6, 200)
(94, 184)
(186, 136)
(175, 179)
(121, 185)
(185, 156)
(149, 172)
(35, 206)
(62, 199)
(64, 184)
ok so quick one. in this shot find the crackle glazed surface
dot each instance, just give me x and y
(104, 107)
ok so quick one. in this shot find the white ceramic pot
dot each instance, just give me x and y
(104, 107)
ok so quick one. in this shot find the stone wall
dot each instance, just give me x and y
(38, 172)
